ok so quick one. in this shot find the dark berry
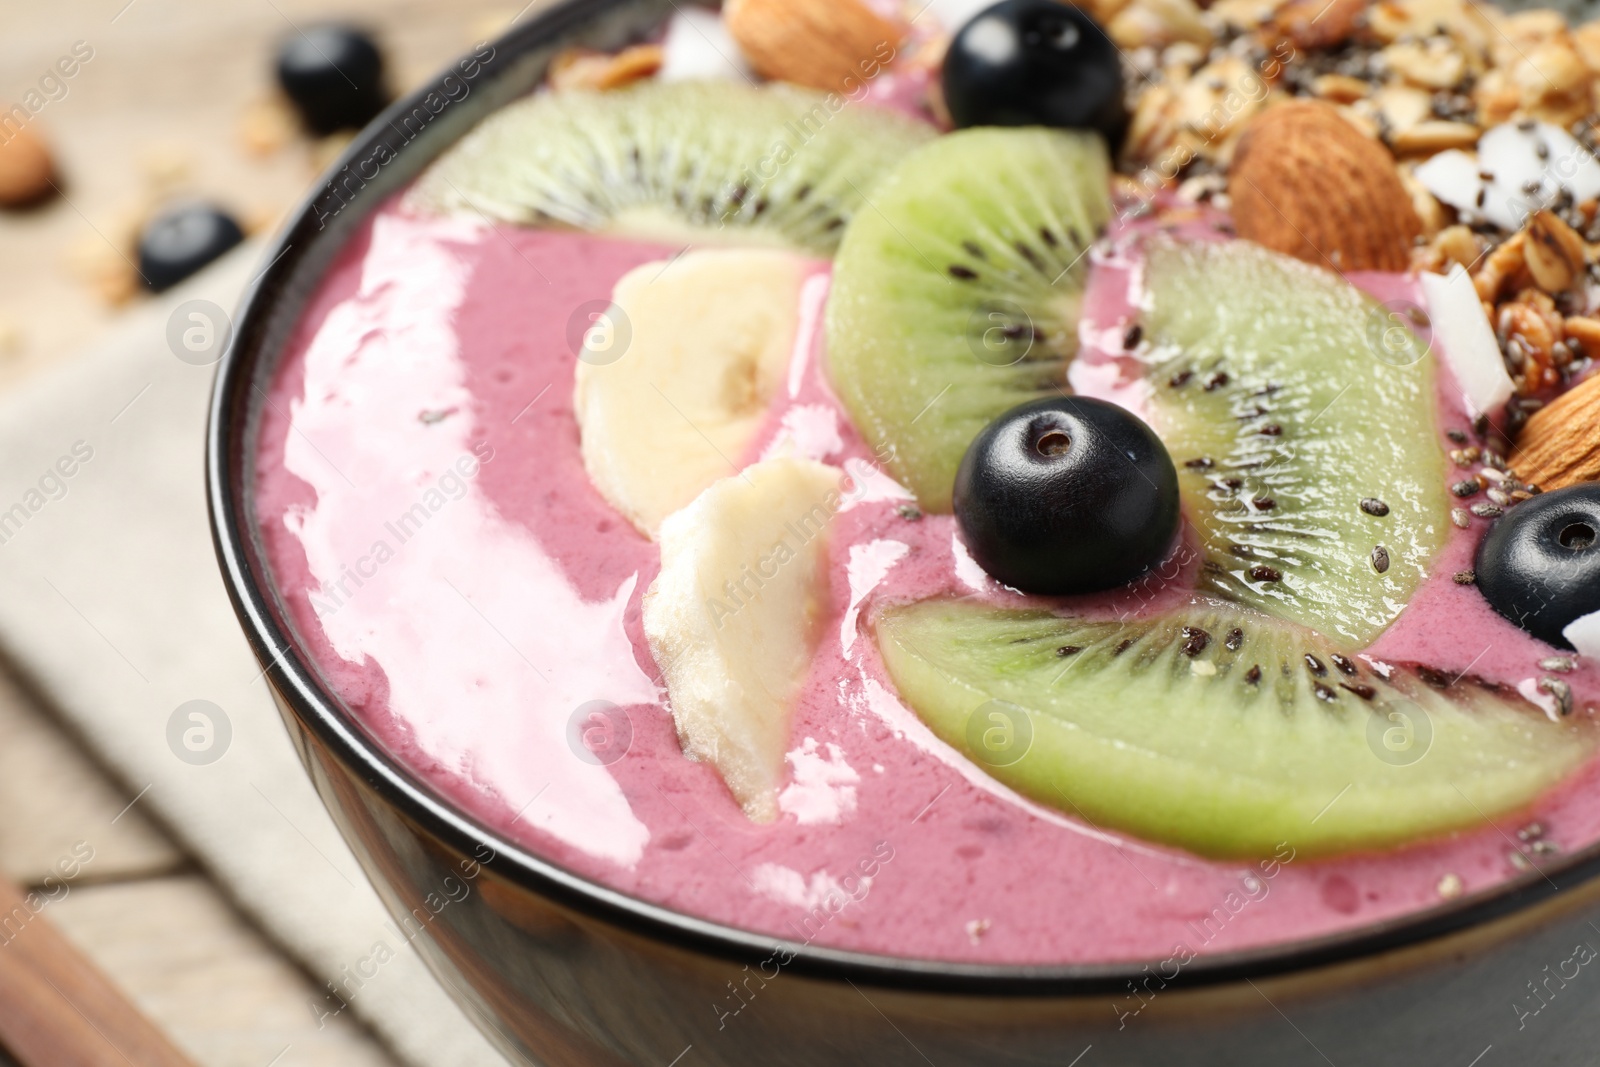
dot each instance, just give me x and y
(1067, 495)
(1036, 63)
(334, 76)
(179, 242)
(1540, 564)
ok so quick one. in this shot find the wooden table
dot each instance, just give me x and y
(161, 111)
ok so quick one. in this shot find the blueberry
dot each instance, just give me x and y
(1540, 564)
(1036, 63)
(179, 242)
(334, 76)
(1067, 495)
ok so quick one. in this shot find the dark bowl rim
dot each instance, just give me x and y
(320, 714)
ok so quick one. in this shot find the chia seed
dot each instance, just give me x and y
(1498, 496)
(909, 512)
(1487, 511)
(1434, 678)
(1380, 559)
(1457, 436)
(1559, 664)
(1375, 507)
(1461, 517)
(1465, 577)
(1466, 488)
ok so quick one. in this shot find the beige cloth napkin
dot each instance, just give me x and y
(112, 603)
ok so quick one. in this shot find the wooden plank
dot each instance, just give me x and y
(198, 970)
(56, 1008)
(158, 115)
(55, 804)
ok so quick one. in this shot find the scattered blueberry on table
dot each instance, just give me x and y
(178, 242)
(333, 74)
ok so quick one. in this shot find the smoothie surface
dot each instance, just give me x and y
(469, 595)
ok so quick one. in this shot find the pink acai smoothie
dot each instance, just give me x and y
(467, 592)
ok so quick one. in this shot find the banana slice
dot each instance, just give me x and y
(733, 618)
(675, 382)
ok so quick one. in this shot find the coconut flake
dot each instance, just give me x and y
(698, 45)
(1462, 332)
(1529, 688)
(1584, 634)
(1452, 176)
(1529, 165)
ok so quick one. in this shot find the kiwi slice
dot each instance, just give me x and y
(1217, 730)
(1300, 414)
(956, 297)
(690, 161)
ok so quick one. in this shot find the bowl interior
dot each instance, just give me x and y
(381, 161)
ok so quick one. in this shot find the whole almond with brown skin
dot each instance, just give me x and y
(1307, 183)
(1560, 445)
(834, 45)
(27, 173)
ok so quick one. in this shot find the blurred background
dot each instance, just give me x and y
(172, 892)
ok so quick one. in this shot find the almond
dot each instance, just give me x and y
(836, 45)
(1560, 445)
(1308, 183)
(27, 173)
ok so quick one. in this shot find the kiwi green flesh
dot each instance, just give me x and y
(1218, 731)
(955, 297)
(1268, 390)
(695, 161)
